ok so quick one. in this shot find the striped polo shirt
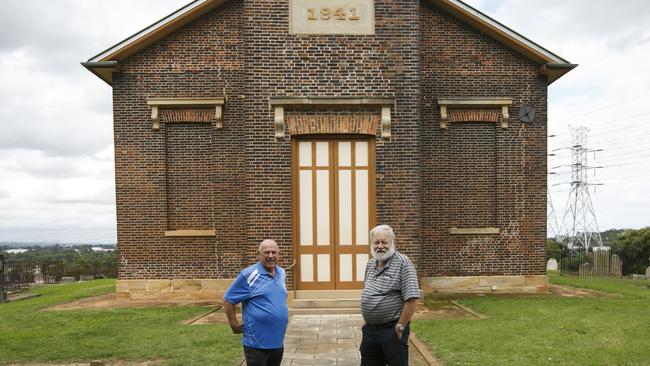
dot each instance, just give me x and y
(386, 290)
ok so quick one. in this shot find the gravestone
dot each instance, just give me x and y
(616, 266)
(551, 265)
(647, 272)
(601, 261)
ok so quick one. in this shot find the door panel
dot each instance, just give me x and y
(334, 193)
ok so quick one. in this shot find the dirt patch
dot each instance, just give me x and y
(442, 309)
(568, 291)
(109, 301)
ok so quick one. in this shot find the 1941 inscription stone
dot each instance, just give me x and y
(354, 17)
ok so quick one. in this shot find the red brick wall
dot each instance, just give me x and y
(242, 50)
(507, 167)
(203, 59)
(190, 173)
(471, 171)
(281, 64)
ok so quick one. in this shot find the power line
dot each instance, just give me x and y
(609, 106)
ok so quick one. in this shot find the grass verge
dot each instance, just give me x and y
(28, 334)
(546, 329)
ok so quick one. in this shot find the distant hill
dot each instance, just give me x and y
(5, 245)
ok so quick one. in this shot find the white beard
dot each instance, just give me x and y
(383, 256)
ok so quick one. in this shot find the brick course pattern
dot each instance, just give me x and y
(237, 179)
(459, 62)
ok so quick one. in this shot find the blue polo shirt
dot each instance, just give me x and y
(264, 305)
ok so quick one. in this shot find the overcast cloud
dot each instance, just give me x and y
(56, 152)
(608, 93)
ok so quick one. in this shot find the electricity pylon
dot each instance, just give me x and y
(582, 226)
(551, 217)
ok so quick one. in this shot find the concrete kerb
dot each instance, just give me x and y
(196, 318)
(465, 308)
(424, 351)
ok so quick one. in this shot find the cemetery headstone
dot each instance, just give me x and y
(616, 266)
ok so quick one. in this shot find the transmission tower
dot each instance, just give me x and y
(551, 217)
(582, 227)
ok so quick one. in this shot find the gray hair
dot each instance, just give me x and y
(381, 229)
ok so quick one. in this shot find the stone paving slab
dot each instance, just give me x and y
(323, 340)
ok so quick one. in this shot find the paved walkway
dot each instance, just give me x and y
(323, 339)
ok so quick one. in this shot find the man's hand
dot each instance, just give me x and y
(399, 330)
(237, 328)
(407, 312)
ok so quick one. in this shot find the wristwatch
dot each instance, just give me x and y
(399, 327)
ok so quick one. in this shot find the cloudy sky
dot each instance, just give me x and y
(56, 152)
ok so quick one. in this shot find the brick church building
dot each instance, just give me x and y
(311, 121)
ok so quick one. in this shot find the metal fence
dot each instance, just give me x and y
(599, 262)
(16, 275)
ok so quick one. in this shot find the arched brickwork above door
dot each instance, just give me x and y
(365, 123)
(345, 115)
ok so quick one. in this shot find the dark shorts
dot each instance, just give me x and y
(380, 345)
(263, 357)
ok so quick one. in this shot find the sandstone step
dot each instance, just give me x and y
(312, 311)
(327, 294)
(325, 303)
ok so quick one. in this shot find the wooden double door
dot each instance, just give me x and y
(333, 210)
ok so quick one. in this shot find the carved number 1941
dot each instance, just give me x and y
(337, 14)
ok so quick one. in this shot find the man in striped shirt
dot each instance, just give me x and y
(388, 301)
(262, 290)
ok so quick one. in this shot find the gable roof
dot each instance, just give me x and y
(551, 64)
(106, 62)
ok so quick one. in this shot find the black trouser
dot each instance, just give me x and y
(380, 345)
(263, 357)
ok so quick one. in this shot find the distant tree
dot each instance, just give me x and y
(610, 236)
(633, 247)
(554, 249)
(77, 260)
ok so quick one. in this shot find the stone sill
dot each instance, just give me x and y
(475, 231)
(178, 233)
(185, 102)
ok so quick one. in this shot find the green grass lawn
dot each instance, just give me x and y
(28, 334)
(549, 330)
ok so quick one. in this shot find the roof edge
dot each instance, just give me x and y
(104, 70)
(555, 71)
(105, 63)
(156, 31)
(499, 32)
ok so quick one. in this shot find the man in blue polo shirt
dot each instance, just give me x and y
(262, 290)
